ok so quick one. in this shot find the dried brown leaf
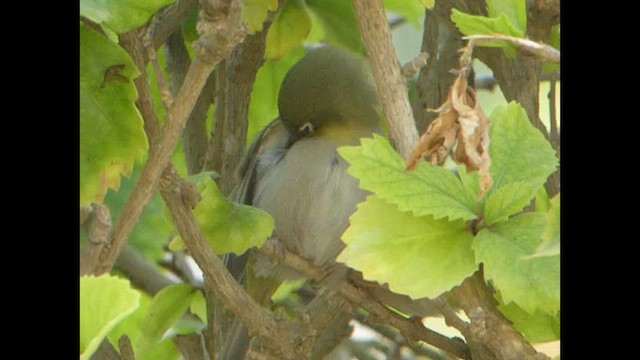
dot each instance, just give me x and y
(462, 124)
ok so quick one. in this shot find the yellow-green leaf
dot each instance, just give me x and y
(291, 26)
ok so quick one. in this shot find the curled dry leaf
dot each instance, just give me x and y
(462, 124)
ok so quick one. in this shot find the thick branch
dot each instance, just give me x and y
(96, 219)
(257, 319)
(235, 79)
(392, 87)
(490, 335)
(216, 43)
(442, 41)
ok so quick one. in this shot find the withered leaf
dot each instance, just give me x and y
(461, 124)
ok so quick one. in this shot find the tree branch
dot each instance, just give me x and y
(391, 86)
(217, 40)
(132, 43)
(411, 329)
(169, 20)
(490, 335)
(235, 79)
(195, 132)
(442, 41)
(142, 274)
(96, 219)
(257, 319)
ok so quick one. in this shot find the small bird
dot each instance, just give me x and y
(294, 172)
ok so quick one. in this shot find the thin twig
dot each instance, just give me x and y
(216, 43)
(397, 338)
(132, 43)
(142, 274)
(391, 86)
(257, 319)
(410, 69)
(411, 329)
(543, 51)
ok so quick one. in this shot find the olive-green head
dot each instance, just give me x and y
(329, 86)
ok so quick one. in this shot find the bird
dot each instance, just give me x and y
(294, 172)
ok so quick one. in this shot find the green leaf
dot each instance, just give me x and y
(199, 306)
(165, 309)
(429, 190)
(482, 25)
(550, 245)
(554, 40)
(395, 247)
(411, 10)
(339, 22)
(104, 301)
(264, 97)
(429, 4)
(533, 283)
(121, 15)
(515, 10)
(507, 200)
(229, 227)
(132, 326)
(519, 152)
(285, 289)
(288, 30)
(542, 200)
(255, 12)
(537, 327)
(111, 130)
(470, 180)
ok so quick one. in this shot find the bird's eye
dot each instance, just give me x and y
(306, 128)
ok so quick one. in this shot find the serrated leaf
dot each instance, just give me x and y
(164, 310)
(199, 306)
(121, 15)
(255, 12)
(470, 180)
(111, 128)
(411, 10)
(519, 152)
(339, 22)
(533, 283)
(104, 301)
(550, 245)
(229, 227)
(288, 30)
(429, 190)
(264, 96)
(537, 327)
(416, 256)
(515, 10)
(507, 200)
